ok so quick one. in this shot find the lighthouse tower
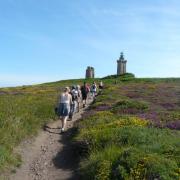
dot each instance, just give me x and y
(121, 65)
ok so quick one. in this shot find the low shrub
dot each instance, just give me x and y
(126, 75)
(130, 107)
(135, 164)
(121, 139)
(99, 164)
(123, 147)
(97, 118)
(115, 162)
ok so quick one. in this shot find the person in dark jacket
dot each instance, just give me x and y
(84, 92)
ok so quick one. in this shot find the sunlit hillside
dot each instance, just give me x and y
(131, 128)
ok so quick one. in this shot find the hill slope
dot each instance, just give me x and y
(132, 132)
(26, 109)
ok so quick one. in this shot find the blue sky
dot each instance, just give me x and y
(48, 40)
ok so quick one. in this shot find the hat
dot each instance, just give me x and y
(66, 89)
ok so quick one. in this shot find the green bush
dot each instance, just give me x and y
(130, 106)
(123, 76)
(99, 164)
(123, 147)
(115, 162)
(136, 164)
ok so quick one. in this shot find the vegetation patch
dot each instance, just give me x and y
(122, 77)
(130, 132)
(132, 139)
(23, 111)
(129, 107)
(128, 149)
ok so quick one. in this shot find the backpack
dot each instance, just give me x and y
(87, 89)
(84, 90)
(93, 88)
(74, 95)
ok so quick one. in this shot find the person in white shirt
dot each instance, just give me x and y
(65, 101)
(94, 90)
(74, 94)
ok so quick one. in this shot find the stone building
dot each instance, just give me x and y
(121, 65)
(90, 72)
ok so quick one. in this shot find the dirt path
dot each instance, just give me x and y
(48, 156)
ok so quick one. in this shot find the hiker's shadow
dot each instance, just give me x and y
(51, 130)
(67, 158)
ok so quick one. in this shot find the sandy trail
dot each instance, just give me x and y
(48, 156)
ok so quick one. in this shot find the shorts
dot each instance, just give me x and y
(63, 109)
(84, 96)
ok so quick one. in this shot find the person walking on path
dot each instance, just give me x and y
(94, 90)
(101, 86)
(78, 88)
(74, 94)
(64, 103)
(84, 91)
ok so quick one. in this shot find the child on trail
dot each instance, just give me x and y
(84, 91)
(74, 94)
(64, 103)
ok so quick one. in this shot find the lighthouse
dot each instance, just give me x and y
(121, 65)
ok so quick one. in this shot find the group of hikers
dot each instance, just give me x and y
(71, 99)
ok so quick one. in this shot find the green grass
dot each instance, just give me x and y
(120, 144)
(23, 111)
(125, 147)
(21, 116)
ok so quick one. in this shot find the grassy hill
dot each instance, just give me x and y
(131, 130)
(23, 111)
